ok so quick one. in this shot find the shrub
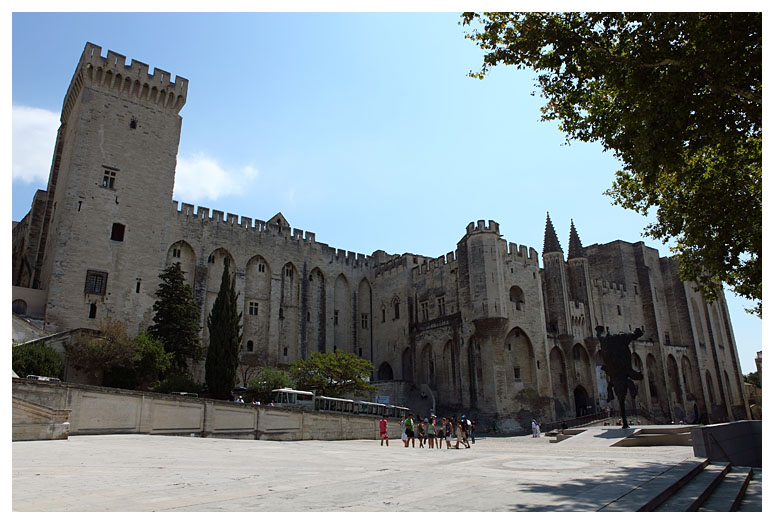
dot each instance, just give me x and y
(260, 387)
(36, 359)
(179, 382)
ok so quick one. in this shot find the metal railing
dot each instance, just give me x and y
(576, 421)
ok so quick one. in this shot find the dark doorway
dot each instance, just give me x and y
(385, 372)
(581, 399)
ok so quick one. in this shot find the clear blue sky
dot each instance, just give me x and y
(363, 128)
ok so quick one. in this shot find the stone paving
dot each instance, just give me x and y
(165, 473)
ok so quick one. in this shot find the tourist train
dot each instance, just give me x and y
(288, 397)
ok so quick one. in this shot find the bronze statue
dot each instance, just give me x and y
(617, 364)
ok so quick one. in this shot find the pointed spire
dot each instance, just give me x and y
(574, 244)
(551, 244)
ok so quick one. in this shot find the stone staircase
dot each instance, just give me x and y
(32, 421)
(695, 485)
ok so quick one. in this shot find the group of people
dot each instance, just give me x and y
(432, 432)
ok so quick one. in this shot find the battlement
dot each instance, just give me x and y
(492, 227)
(528, 256)
(609, 285)
(397, 263)
(133, 80)
(431, 265)
(208, 217)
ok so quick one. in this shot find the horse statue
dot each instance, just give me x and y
(617, 364)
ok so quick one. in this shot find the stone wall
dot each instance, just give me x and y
(98, 410)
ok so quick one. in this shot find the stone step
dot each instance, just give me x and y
(729, 493)
(689, 497)
(752, 500)
(651, 494)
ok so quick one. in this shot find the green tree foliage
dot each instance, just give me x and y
(36, 359)
(267, 379)
(677, 97)
(176, 318)
(225, 329)
(96, 355)
(114, 359)
(333, 374)
(178, 382)
(753, 378)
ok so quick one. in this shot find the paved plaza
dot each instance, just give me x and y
(164, 473)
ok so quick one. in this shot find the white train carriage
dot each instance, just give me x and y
(288, 397)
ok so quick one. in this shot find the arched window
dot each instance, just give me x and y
(250, 346)
(517, 296)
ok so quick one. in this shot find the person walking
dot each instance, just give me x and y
(421, 432)
(533, 426)
(403, 430)
(383, 432)
(409, 431)
(431, 431)
(460, 434)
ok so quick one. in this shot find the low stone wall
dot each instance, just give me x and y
(99, 410)
(739, 442)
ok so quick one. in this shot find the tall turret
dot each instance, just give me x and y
(578, 274)
(110, 191)
(481, 271)
(555, 282)
(483, 296)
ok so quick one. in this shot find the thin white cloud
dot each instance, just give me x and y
(200, 176)
(34, 135)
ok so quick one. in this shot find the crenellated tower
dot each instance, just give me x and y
(555, 283)
(483, 295)
(109, 192)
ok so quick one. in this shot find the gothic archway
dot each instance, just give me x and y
(385, 372)
(581, 400)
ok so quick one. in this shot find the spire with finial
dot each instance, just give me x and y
(551, 244)
(574, 244)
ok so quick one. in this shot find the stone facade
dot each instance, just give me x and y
(483, 329)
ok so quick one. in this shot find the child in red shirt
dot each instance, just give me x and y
(383, 434)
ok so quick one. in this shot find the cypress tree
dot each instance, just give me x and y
(176, 318)
(225, 329)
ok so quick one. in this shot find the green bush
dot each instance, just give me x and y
(36, 359)
(178, 383)
(260, 387)
(116, 360)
